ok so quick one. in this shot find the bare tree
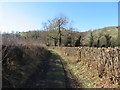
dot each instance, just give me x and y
(78, 41)
(56, 26)
(91, 40)
(99, 38)
(108, 40)
(45, 26)
(60, 21)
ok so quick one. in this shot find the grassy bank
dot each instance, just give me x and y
(19, 63)
(86, 75)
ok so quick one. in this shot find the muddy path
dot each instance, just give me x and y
(53, 73)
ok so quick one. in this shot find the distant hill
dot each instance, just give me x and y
(48, 36)
(112, 31)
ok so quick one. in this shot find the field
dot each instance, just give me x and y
(91, 67)
(50, 45)
(29, 63)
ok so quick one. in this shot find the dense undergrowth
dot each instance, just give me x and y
(89, 71)
(93, 67)
(20, 59)
(19, 63)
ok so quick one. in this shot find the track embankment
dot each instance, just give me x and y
(93, 67)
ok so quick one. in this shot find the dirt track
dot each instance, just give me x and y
(53, 73)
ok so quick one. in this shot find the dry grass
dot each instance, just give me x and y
(20, 59)
(87, 75)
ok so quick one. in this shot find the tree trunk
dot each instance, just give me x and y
(59, 39)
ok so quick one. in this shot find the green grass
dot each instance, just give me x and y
(80, 71)
(113, 32)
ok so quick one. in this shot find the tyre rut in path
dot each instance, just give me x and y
(38, 79)
(53, 73)
(50, 74)
(71, 80)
